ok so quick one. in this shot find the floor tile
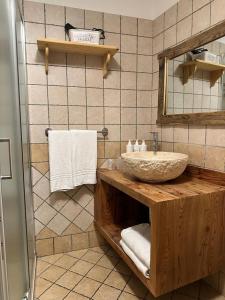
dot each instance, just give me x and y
(51, 259)
(53, 273)
(123, 268)
(41, 266)
(66, 261)
(81, 267)
(87, 287)
(98, 273)
(75, 296)
(117, 280)
(41, 285)
(55, 292)
(135, 287)
(78, 253)
(102, 249)
(127, 296)
(107, 292)
(108, 262)
(92, 256)
(69, 280)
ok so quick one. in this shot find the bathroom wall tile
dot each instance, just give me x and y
(95, 239)
(76, 77)
(144, 81)
(36, 74)
(171, 16)
(80, 241)
(197, 135)
(58, 114)
(128, 115)
(94, 61)
(114, 64)
(215, 158)
(55, 14)
(128, 62)
(167, 133)
(143, 133)
(75, 17)
(111, 97)
(34, 32)
(184, 29)
(94, 97)
(196, 155)
(44, 247)
(144, 45)
(112, 115)
(37, 134)
(112, 39)
(143, 116)
(112, 80)
(112, 149)
(170, 37)
(57, 95)
(128, 98)
(111, 23)
(201, 19)
(144, 63)
(143, 98)
(33, 12)
(38, 114)
(158, 25)
(33, 55)
(57, 76)
(62, 244)
(76, 96)
(157, 44)
(77, 115)
(76, 60)
(217, 11)
(93, 19)
(55, 32)
(39, 152)
(128, 25)
(128, 43)
(114, 133)
(101, 148)
(184, 8)
(199, 3)
(58, 224)
(181, 134)
(128, 80)
(95, 115)
(181, 148)
(215, 136)
(94, 78)
(45, 213)
(37, 94)
(167, 147)
(144, 27)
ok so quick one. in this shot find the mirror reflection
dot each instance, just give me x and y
(196, 80)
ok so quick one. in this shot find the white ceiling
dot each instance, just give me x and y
(147, 9)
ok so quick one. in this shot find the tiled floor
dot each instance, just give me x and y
(99, 274)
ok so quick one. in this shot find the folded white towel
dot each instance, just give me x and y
(60, 160)
(141, 267)
(137, 238)
(84, 156)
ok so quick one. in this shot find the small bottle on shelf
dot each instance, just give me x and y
(143, 146)
(129, 147)
(136, 147)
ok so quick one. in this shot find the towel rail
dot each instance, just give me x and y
(104, 131)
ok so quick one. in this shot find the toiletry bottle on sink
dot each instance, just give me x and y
(130, 147)
(143, 146)
(136, 147)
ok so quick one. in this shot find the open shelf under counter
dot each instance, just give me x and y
(53, 45)
(187, 231)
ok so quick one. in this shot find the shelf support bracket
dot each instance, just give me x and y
(105, 65)
(46, 59)
(214, 76)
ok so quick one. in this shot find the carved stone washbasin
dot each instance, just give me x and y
(151, 167)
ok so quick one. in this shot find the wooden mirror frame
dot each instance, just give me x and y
(212, 118)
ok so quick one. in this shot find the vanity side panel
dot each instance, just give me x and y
(188, 240)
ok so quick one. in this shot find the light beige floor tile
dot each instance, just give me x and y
(101, 249)
(66, 261)
(69, 280)
(75, 296)
(122, 268)
(87, 287)
(78, 253)
(108, 262)
(111, 252)
(41, 285)
(117, 280)
(92, 256)
(53, 273)
(135, 287)
(41, 266)
(55, 292)
(51, 259)
(98, 273)
(127, 296)
(81, 267)
(106, 292)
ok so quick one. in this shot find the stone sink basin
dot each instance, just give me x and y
(151, 167)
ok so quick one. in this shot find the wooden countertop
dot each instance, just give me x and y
(185, 186)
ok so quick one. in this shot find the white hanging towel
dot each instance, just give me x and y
(137, 239)
(84, 156)
(60, 160)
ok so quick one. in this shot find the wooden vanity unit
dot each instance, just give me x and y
(187, 217)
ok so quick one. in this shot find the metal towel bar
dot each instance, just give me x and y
(104, 131)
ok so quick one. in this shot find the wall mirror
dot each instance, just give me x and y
(192, 80)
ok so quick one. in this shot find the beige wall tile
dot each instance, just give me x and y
(62, 244)
(128, 98)
(57, 95)
(33, 12)
(94, 61)
(77, 115)
(36, 74)
(76, 60)
(95, 239)
(181, 148)
(75, 14)
(181, 134)
(112, 80)
(39, 152)
(215, 158)
(144, 81)
(44, 247)
(171, 16)
(112, 149)
(34, 32)
(128, 25)
(144, 63)
(76, 96)
(184, 9)
(128, 62)
(170, 37)
(111, 97)
(95, 115)
(114, 132)
(94, 78)
(158, 25)
(143, 132)
(55, 32)
(38, 114)
(94, 97)
(112, 115)
(58, 114)
(196, 155)
(101, 149)
(215, 136)
(128, 132)
(55, 14)
(201, 19)
(128, 43)
(157, 44)
(143, 115)
(93, 19)
(80, 241)
(37, 94)
(128, 115)
(199, 3)
(197, 135)
(128, 80)
(57, 76)
(113, 39)
(144, 27)
(33, 55)
(144, 45)
(184, 29)
(37, 134)
(112, 23)
(76, 77)
(217, 11)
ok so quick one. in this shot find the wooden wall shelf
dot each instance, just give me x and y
(51, 45)
(216, 70)
(187, 223)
